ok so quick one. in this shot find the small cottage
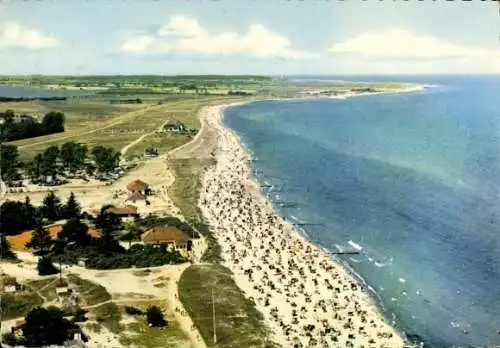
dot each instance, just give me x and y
(126, 213)
(175, 127)
(169, 236)
(138, 186)
(150, 152)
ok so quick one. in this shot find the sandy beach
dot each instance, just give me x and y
(307, 299)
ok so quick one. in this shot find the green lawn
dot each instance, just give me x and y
(144, 336)
(91, 293)
(109, 315)
(46, 287)
(19, 304)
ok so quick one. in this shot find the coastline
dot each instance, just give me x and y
(249, 232)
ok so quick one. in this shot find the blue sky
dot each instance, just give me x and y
(248, 37)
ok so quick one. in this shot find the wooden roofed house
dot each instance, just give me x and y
(139, 191)
(139, 186)
(169, 236)
(125, 213)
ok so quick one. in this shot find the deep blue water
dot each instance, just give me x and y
(26, 92)
(413, 178)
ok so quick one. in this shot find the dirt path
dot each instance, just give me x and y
(127, 147)
(115, 121)
(181, 316)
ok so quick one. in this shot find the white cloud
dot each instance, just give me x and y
(397, 43)
(395, 51)
(137, 43)
(13, 35)
(184, 34)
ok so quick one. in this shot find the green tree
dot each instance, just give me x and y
(71, 209)
(49, 159)
(34, 168)
(109, 224)
(133, 233)
(16, 217)
(155, 318)
(73, 155)
(46, 327)
(6, 252)
(40, 242)
(45, 266)
(9, 162)
(51, 207)
(30, 213)
(106, 159)
(75, 231)
(53, 122)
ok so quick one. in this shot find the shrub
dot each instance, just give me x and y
(80, 316)
(10, 339)
(155, 318)
(133, 310)
(45, 267)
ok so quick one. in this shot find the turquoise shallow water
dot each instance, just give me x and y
(414, 179)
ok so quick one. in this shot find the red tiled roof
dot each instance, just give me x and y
(163, 234)
(19, 241)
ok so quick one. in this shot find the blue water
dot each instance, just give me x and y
(27, 92)
(414, 179)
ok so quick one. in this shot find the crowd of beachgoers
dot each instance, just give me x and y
(306, 298)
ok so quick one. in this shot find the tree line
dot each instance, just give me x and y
(74, 242)
(28, 127)
(72, 156)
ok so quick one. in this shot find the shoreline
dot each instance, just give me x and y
(364, 322)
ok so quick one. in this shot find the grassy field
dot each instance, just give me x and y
(19, 304)
(108, 315)
(149, 337)
(238, 323)
(45, 287)
(91, 293)
(95, 121)
(133, 331)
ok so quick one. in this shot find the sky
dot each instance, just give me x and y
(265, 37)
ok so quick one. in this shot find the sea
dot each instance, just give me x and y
(411, 181)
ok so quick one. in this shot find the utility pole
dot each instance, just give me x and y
(213, 316)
